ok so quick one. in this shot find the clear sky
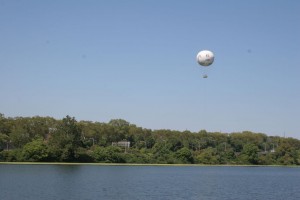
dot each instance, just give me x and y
(136, 60)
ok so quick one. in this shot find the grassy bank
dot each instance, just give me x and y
(136, 164)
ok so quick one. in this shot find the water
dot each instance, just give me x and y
(84, 182)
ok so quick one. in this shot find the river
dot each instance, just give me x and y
(88, 182)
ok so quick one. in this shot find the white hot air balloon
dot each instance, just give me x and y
(205, 58)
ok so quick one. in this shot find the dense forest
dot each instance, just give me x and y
(45, 139)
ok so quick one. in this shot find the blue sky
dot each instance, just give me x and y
(136, 60)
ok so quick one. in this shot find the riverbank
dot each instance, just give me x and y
(137, 164)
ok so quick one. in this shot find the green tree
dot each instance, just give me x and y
(266, 159)
(184, 155)
(227, 157)
(19, 136)
(66, 140)
(5, 125)
(111, 154)
(162, 153)
(14, 155)
(35, 151)
(39, 126)
(287, 154)
(208, 156)
(121, 129)
(250, 154)
(4, 140)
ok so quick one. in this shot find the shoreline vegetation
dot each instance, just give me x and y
(138, 164)
(45, 140)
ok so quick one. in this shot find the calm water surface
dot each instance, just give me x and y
(83, 182)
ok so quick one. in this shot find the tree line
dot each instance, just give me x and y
(45, 139)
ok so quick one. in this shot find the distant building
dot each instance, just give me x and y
(273, 151)
(125, 144)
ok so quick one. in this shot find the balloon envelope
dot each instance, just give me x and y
(205, 58)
